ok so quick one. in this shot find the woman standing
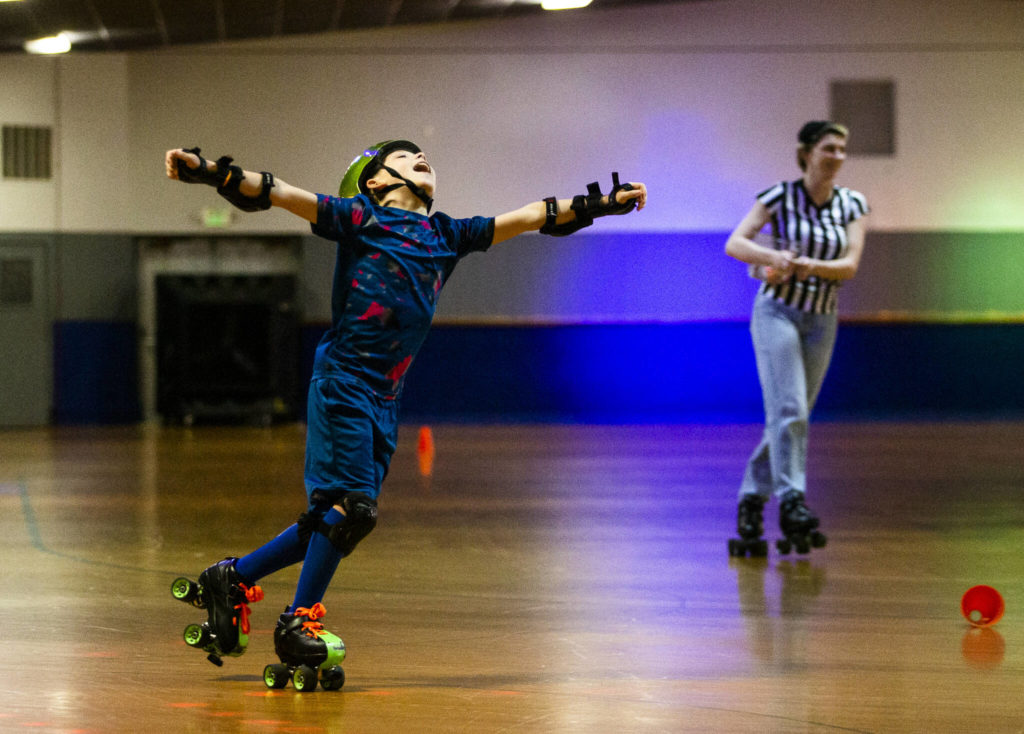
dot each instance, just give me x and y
(817, 231)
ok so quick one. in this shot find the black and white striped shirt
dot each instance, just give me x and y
(800, 225)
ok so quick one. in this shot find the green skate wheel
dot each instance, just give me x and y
(304, 679)
(188, 591)
(333, 678)
(276, 675)
(198, 635)
(181, 589)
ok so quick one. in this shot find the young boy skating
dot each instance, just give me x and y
(393, 258)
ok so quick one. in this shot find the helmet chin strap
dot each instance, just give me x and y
(417, 190)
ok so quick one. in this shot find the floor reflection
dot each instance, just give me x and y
(771, 598)
(983, 648)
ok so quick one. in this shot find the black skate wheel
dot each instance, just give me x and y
(818, 540)
(304, 679)
(784, 546)
(803, 546)
(276, 675)
(332, 679)
(197, 635)
(759, 549)
(736, 548)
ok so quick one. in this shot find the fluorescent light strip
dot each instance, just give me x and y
(564, 4)
(58, 44)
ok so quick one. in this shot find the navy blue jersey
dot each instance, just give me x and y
(390, 268)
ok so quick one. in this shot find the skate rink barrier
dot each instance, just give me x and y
(540, 578)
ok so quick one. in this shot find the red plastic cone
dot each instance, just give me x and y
(982, 606)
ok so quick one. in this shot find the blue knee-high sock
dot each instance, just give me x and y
(318, 569)
(284, 550)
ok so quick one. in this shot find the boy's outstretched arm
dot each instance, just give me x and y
(298, 201)
(540, 215)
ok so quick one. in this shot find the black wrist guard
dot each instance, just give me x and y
(613, 207)
(227, 179)
(230, 191)
(200, 175)
(587, 208)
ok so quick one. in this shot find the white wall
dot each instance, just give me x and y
(28, 96)
(96, 181)
(700, 100)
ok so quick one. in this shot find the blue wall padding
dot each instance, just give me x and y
(704, 372)
(95, 372)
(617, 373)
(586, 373)
(941, 371)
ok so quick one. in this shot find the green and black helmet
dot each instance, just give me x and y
(371, 160)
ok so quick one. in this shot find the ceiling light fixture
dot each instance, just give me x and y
(564, 4)
(59, 44)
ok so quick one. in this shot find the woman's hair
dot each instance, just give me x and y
(811, 133)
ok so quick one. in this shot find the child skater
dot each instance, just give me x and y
(393, 257)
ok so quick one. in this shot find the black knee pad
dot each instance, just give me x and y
(308, 523)
(360, 519)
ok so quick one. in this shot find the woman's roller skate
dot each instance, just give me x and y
(220, 591)
(798, 524)
(750, 526)
(308, 652)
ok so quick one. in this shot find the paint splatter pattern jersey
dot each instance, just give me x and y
(391, 265)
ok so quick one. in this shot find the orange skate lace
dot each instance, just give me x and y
(312, 628)
(252, 594)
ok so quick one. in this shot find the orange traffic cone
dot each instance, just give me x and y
(425, 451)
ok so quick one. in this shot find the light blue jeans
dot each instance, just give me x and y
(793, 350)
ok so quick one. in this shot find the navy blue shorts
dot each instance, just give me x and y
(351, 436)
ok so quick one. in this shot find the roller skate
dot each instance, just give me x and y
(308, 653)
(798, 524)
(750, 526)
(220, 591)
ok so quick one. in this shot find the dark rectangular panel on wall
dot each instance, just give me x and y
(227, 348)
(16, 281)
(26, 350)
(868, 108)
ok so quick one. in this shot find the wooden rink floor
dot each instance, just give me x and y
(545, 579)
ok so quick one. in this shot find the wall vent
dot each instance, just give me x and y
(27, 152)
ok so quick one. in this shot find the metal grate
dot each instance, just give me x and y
(27, 151)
